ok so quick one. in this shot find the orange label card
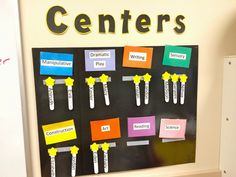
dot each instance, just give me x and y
(137, 57)
(105, 129)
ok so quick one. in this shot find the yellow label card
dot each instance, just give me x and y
(59, 132)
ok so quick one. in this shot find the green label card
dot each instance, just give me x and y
(177, 56)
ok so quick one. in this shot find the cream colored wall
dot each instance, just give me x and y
(228, 131)
(207, 25)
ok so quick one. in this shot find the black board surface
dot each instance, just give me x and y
(122, 98)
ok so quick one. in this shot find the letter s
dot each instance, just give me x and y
(179, 22)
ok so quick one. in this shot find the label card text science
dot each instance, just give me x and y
(100, 60)
(141, 126)
(58, 64)
(172, 128)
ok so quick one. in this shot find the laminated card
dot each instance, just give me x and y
(59, 132)
(59, 64)
(177, 56)
(105, 129)
(137, 57)
(100, 60)
(141, 126)
(172, 128)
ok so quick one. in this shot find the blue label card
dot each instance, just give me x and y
(58, 64)
(100, 60)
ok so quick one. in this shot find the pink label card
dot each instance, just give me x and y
(172, 128)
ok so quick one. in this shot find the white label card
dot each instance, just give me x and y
(66, 64)
(105, 128)
(59, 131)
(99, 64)
(138, 56)
(97, 55)
(141, 126)
(172, 127)
(177, 56)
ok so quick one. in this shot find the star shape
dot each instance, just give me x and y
(90, 81)
(105, 146)
(147, 77)
(136, 79)
(50, 81)
(52, 152)
(183, 78)
(104, 78)
(74, 150)
(69, 81)
(175, 78)
(94, 147)
(166, 76)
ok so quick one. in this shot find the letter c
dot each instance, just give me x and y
(58, 29)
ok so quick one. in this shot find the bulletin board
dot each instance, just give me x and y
(122, 105)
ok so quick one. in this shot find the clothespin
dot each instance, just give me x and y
(136, 80)
(52, 153)
(50, 83)
(91, 83)
(105, 148)
(183, 80)
(166, 78)
(147, 78)
(94, 148)
(104, 79)
(74, 151)
(69, 83)
(175, 79)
